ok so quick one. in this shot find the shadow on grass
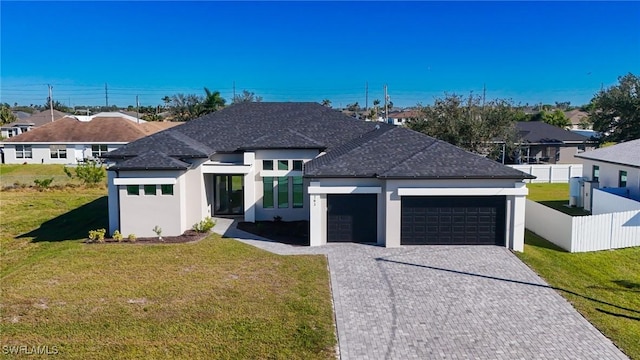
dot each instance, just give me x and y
(618, 315)
(74, 224)
(533, 239)
(509, 280)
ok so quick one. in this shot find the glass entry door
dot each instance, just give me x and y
(229, 194)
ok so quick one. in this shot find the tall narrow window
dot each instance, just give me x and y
(267, 192)
(283, 164)
(595, 173)
(267, 164)
(298, 198)
(622, 179)
(283, 192)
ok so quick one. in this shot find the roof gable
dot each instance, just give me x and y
(539, 132)
(626, 153)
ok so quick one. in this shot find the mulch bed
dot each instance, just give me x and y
(188, 236)
(286, 232)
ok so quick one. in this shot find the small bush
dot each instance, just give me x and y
(91, 173)
(158, 230)
(97, 235)
(205, 225)
(277, 218)
(117, 236)
(132, 237)
(43, 184)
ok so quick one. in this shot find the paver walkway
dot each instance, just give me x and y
(445, 302)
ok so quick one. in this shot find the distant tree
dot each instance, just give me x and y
(23, 108)
(353, 107)
(556, 118)
(616, 110)
(212, 101)
(466, 123)
(167, 101)
(185, 107)
(15, 104)
(6, 116)
(57, 105)
(326, 102)
(151, 117)
(563, 105)
(246, 96)
(90, 173)
(585, 123)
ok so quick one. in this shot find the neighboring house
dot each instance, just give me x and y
(542, 143)
(401, 117)
(353, 180)
(23, 125)
(578, 119)
(73, 139)
(616, 166)
(21, 115)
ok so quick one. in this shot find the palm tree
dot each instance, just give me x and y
(211, 102)
(326, 102)
(167, 101)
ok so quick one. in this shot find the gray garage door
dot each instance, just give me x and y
(352, 218)
(439, 220)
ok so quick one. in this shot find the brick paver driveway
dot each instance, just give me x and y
(448, 302)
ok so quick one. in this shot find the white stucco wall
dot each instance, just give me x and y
(139, 214)
(609, 175)
(41, 153)
(195, 195)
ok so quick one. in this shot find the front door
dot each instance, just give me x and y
(229, 194)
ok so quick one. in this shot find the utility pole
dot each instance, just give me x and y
(137, 110)
(51, 101)
(106, 95)
(386, 102)
(366, 96)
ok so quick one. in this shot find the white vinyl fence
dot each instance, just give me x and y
(584, 233)
(605, 202)
(552, 173)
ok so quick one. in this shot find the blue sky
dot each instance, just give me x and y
(308, 51)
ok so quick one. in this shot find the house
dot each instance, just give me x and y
(401, 117)
(77, 138)
(544, 143)
(353, 180)
(578, 119)
(23, 125)
(615, 167)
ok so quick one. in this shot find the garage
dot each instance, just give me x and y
(453, 220)
(352, 218)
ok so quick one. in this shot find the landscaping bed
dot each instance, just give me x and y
(188, 236)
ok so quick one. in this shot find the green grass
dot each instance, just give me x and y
(26, 173)
(604, 286)
(216, 298)
(555, 196)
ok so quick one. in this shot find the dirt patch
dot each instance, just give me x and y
(188, 236)
(286, 232)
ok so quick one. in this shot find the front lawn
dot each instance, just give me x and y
(24, 174)
(554, 195)
(216, 298)
(603, 286)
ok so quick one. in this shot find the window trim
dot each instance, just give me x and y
(24, 152)
(100, 151)
(58, 150)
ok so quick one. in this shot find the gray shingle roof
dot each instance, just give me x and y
(626, 153)
(151, 160)
(403, 153)
(539, 132)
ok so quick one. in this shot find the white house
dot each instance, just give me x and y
(616, 169)
(77, 138)
(353, 180)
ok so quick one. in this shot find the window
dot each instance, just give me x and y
(150, 190)
(297, 165)
(98, 150)
(283, 164)
(267, 164)
(23, 152)
(58, 151)
(267, 196)
(133, 190)
(622, 179)
(595, 173)
(298, 198)
(283, 191)
(166, 189)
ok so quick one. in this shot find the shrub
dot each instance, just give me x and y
(117, 236)
(43, 184)
(277, 218)
(97, 235)
(132, 237)
(205, 225)
(158, 230)
(90, 173)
